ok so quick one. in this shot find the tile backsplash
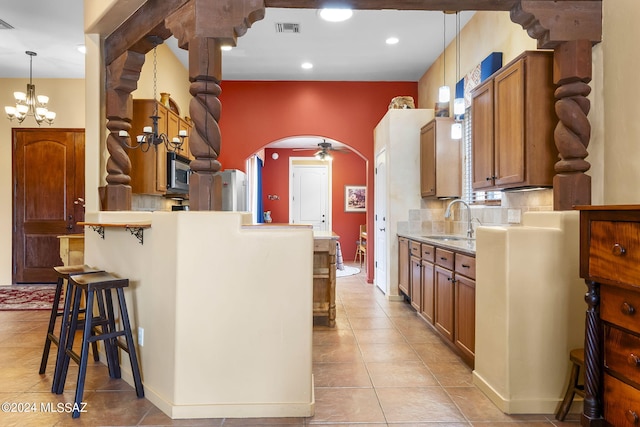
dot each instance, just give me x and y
(430, 218)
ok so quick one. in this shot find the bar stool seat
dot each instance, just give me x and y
(96, 286)
(577, 359)
(63, 273)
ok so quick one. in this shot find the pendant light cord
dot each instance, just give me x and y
(444, 48)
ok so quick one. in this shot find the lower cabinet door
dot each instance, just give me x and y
(416, 278)
(444, 322)
(465, 313)
(428, 292)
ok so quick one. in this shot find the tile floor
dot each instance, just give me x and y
(381, 366)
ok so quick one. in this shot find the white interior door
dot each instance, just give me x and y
(309, 196)
(380, 221)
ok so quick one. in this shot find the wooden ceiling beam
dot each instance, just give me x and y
(452, 5)
(145, 21)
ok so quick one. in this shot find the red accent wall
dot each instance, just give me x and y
(346, 168)
(256, 113)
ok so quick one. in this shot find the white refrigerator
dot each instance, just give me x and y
(234, 190)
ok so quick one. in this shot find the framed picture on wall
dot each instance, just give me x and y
(355, 198)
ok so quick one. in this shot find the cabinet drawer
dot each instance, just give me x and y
(428, 252)
(466, 265)
(622, 353)
(614, 252)
(621, 403)
(620, 307)
(415, 249)
(444, 258)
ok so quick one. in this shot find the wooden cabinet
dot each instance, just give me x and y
(465, 305)
(403, 265)
(442, 289)
(427, 283)
(416, 274)
(610, 264)
(440, 160)
(513, 121)
(149, 169)
(324, 278)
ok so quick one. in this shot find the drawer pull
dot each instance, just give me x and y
(627, 309)
(633, 360)
(443, 258)
(618, 250)
(632, 417)
(466, 266)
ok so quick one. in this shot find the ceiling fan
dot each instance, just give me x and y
(323, 152)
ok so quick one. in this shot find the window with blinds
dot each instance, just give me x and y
(468, 195)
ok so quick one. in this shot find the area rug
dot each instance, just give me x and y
(348, 271)
(27, 297)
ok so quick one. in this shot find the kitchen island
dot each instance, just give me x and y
(324, 275)
(221, 309)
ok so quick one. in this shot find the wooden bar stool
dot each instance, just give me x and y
(98, 286)
(577, 359)
(63, 273)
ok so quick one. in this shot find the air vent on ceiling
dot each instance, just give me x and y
(287, 27)
(5, 26)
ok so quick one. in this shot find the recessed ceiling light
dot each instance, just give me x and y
(226, 47)
(82, 49)
(307, 65)
(392, 40)
(335, 15)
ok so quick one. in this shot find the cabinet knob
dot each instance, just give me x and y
(632, 417)
(618, 250)
(488, 178)
(466, 266)
(633, 360)
(627, 309)
(443, 258)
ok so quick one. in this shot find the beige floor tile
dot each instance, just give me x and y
(378, 336)
(347, 405)
(341, 375)
(371, 323)
(418, 404)
(451, 374)
(400, 374)
(388, 352)
(336, 353)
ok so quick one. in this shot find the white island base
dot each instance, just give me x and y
(225, 309)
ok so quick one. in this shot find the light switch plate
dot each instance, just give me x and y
(140, 336)
(513, 216)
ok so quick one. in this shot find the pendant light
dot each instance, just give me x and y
(444, 93)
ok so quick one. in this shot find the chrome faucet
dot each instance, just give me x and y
(447, 214)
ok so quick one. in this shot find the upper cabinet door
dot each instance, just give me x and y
(509, 149)
(482, 136)
(428, 159)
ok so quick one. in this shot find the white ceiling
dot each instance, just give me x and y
(346, 51)
(353, 50)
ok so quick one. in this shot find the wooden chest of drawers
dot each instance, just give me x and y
(610, 264)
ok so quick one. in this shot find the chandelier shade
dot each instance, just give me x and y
(30, 104)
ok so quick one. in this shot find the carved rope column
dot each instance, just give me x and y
(122, 79)
(201, 26)
(569, 27)
(572, 74)
(592, 409)
(205, 189)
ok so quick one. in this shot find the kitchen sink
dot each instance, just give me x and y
(445, 237)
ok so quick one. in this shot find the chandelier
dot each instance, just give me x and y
(151, 137)
(28, 104)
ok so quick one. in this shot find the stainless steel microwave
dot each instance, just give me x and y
(178, 172)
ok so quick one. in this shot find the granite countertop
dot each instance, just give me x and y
(464, 245)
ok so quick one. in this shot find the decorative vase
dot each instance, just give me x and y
(164, 99)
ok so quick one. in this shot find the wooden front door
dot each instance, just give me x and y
(48, 193)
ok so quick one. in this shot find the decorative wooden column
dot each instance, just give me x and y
(122, 79)
(201, 26)
(570, 28)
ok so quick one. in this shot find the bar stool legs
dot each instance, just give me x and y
(96, 287)
(63, 273)
(577, 359)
